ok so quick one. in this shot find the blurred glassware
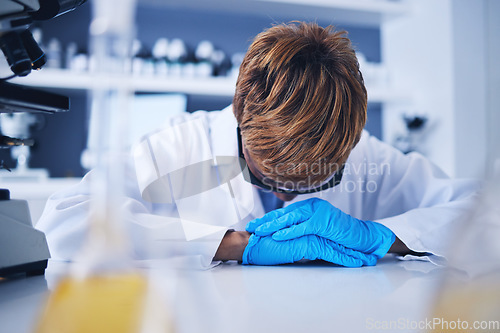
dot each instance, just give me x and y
(54, 54)
(160, 51)
(104, 291)
(71, 51)
(469, 294)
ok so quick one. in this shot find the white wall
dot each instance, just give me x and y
(469, 86)
(417, 49)
(493, 82)
(441, 53)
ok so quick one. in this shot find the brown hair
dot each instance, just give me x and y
(300, 101)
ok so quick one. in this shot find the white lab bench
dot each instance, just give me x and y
(303, 297)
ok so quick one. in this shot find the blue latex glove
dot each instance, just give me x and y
(318, 217)
(267, 251)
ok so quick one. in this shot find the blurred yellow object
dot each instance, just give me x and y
(96, 304)
(468, 298)
(469, 307)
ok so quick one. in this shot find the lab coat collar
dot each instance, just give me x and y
(224, 143)
(223, 133)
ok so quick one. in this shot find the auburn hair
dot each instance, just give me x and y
(300, 101)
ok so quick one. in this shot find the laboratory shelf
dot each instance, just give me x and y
(65, 79)
(353, 12)
(211, 86)
(357, 12)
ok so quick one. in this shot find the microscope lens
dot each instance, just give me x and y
(35, 53)
(17, 57)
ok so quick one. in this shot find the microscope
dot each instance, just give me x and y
(23, 249)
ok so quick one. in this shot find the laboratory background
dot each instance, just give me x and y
(431, 69)
(429, 66)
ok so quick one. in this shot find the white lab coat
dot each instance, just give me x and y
(176, 215)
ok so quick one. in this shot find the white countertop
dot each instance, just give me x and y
(305, 297)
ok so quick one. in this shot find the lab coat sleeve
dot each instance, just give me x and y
(175, 209)
(417, 200)
(156, 235)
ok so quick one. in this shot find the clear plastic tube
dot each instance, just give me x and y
(111, 34)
